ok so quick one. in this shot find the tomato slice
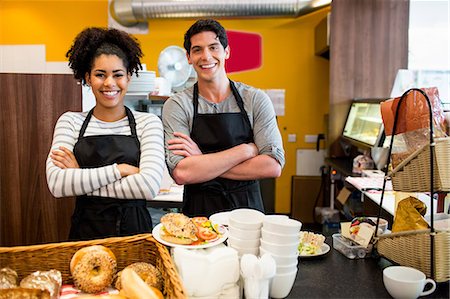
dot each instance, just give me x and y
(206, 233)
(199, 220)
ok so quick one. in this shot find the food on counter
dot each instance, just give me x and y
(147, 272)
(44, 280)
(133, 287)
(178, 229)
(206, 230)
(93, 268)
(109, 296)
(8, 278)
(357, 222)
(310, 243)
(23, 293)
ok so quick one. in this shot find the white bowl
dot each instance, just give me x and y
(274, 216)
(245, 250)
(243, 233)
(220, 218)
(287, 249)
(246, 219)
(287, 269)
(278, 238)
(244, 243)
(282, 225)
(280, 259)
(281, 284)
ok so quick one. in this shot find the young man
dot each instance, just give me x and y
(221, 136)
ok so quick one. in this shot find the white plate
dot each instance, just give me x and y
(222, 239)
(220, 218)
(323, 250)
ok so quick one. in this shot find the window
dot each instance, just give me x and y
(428, 50)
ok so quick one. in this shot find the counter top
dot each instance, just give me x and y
(335, 276)
(363, 183)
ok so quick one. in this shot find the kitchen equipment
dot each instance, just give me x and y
(174, 66)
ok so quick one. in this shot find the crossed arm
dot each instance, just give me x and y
(65, 178)
(64, 158)
(241, 162)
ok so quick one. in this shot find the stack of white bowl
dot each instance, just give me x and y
(145, 83)
(244, 230)
(280, 238)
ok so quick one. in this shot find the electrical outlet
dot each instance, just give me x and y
(292, 137)
(310, 138)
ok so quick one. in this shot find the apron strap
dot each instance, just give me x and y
(85, 123)
(132, 124)
(240, 103)
(195, 99)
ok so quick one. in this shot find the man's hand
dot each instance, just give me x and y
(183, 145)
(63, 158)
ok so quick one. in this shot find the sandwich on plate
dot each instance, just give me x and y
(178, 228)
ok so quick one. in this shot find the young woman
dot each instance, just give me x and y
(110, 158)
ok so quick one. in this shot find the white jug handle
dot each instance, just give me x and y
(427, 281)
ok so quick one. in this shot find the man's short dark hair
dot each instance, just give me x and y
(205, 25)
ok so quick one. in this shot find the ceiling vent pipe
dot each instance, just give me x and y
(131, 12)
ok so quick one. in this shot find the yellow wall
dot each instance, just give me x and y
(288, 59)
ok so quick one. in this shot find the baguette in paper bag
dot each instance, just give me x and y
(409, 215)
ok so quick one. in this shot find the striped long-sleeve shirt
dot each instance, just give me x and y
(106, 181)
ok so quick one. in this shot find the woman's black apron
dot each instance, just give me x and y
(100, 217)
(214, 133)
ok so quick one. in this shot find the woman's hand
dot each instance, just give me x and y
(183, 145)
(63, 158)
(126, 169)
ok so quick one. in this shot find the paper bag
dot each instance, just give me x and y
(409, 215)
(413, 122)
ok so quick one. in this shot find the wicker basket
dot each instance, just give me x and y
(413, 174)
(412, 249)
(138, 248)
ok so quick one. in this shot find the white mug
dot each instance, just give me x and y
(406, 283)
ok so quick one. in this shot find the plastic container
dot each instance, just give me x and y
(347, 248)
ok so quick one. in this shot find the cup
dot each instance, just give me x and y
(406, 283)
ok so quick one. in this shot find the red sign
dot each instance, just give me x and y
(246, 51)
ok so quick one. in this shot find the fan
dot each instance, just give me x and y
(174, 66)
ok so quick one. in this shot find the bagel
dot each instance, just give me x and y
(93, 268)
(178, 229)
(147, 272)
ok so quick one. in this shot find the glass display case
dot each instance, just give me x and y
(364, 125)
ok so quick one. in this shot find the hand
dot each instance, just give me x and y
(126, 169)
(183, 146)
(254, 151)
(63, 158)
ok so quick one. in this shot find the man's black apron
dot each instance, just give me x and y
(100, 217)
(214, 133)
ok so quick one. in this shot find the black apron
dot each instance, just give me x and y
(214, 133)
(99, 217)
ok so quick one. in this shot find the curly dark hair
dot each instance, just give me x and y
(205, 25)
(93, 42)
